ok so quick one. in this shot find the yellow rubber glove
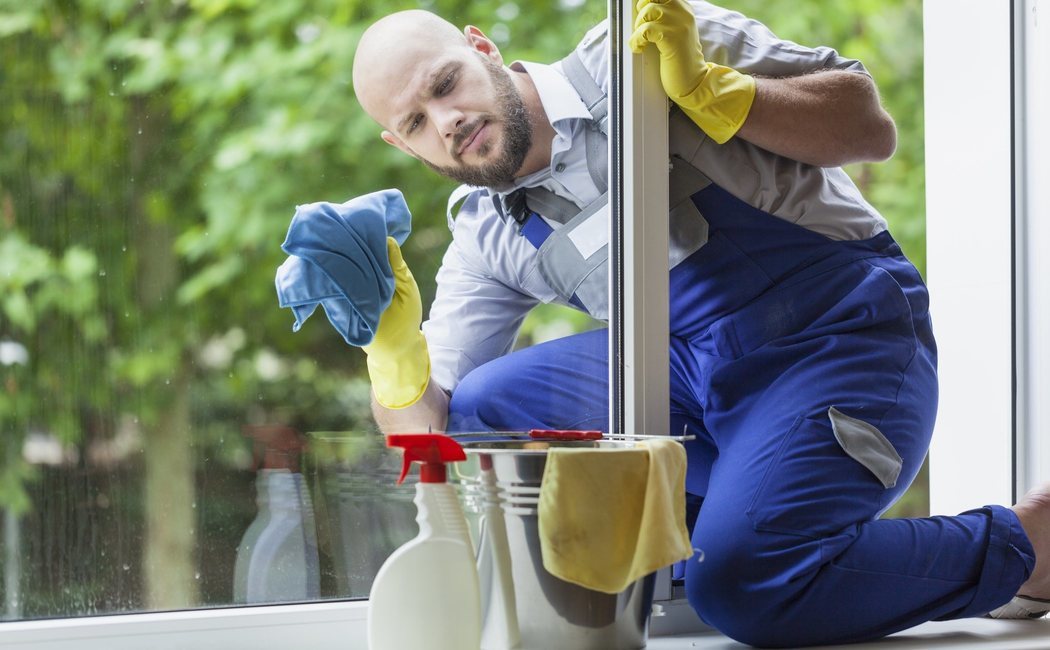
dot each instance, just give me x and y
(398, 361)
(715, 97)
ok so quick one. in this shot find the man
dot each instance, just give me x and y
(801, 350)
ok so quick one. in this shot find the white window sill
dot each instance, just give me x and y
(342, 625)
(338, 624)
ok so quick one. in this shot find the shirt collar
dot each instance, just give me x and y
(559, 98)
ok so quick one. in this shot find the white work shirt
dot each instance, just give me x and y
(489, 279)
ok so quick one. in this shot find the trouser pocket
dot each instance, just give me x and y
(865, 444)
(830, 471)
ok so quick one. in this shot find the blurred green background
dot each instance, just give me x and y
(151, 156)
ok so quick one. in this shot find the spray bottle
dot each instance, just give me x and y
(426, 593)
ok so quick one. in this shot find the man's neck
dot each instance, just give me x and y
(539, 155)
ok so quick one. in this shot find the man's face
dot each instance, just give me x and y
(461, 115)
(496, 141)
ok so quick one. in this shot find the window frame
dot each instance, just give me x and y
(639, 330)
(1031, 50)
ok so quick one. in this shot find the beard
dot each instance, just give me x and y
(517, 138)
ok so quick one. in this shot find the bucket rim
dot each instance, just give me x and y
(518, 447)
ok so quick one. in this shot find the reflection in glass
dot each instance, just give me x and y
(277, 557)
(363, 514)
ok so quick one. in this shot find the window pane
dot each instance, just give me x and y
(167, 440)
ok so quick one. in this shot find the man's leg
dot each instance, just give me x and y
(563, 384)
(560, 384)
(771, 575)
(792, 551)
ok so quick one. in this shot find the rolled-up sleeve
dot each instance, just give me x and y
(732, 39)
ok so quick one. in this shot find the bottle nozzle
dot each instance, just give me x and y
(433, 450)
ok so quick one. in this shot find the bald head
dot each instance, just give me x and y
(446, 98)
(392, 47)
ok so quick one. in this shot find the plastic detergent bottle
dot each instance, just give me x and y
(426, 593)
(277, 558)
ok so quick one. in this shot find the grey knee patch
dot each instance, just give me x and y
(868, 446)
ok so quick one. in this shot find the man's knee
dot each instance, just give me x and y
(742, 584)
(475, 403)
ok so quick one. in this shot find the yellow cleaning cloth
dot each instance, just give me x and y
(611, 516)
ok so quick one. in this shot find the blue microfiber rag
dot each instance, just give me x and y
(338, 258)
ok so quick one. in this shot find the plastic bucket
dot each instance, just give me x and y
(523, 605)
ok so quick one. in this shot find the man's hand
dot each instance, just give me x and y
(398, 361)
(715, 97)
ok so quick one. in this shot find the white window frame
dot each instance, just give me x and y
(639, 331)
(1032, 192)
(979, 254)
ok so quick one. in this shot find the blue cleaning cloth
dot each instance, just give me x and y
(338, 259)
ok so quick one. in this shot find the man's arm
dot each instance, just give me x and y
(827, 118)
(793, 101)
(430, 413)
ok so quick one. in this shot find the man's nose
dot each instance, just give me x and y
(448, 119)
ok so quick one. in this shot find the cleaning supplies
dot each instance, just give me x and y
(338, 257)
(426, 593)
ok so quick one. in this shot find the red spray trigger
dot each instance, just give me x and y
(431, 449)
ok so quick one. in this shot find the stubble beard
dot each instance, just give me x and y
(517, 138)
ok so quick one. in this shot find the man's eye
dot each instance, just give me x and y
(415, 123)
(446, 85)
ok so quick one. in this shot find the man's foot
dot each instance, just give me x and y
(1033, 598)
(1022, 607)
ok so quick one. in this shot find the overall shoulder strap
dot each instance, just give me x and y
(598, 106)
(588, 89)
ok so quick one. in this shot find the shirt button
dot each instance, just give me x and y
(560, 167)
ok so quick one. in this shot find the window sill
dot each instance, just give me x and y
(339, 624)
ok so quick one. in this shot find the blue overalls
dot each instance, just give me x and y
(806, 367)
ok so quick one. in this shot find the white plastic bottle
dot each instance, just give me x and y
(277, 558)
(499, 614)
(426, 593)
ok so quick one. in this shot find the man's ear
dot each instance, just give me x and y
(477, 40)
(395, 141)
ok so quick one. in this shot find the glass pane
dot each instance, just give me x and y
(167, 440)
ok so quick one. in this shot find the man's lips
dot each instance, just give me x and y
(472, 138)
